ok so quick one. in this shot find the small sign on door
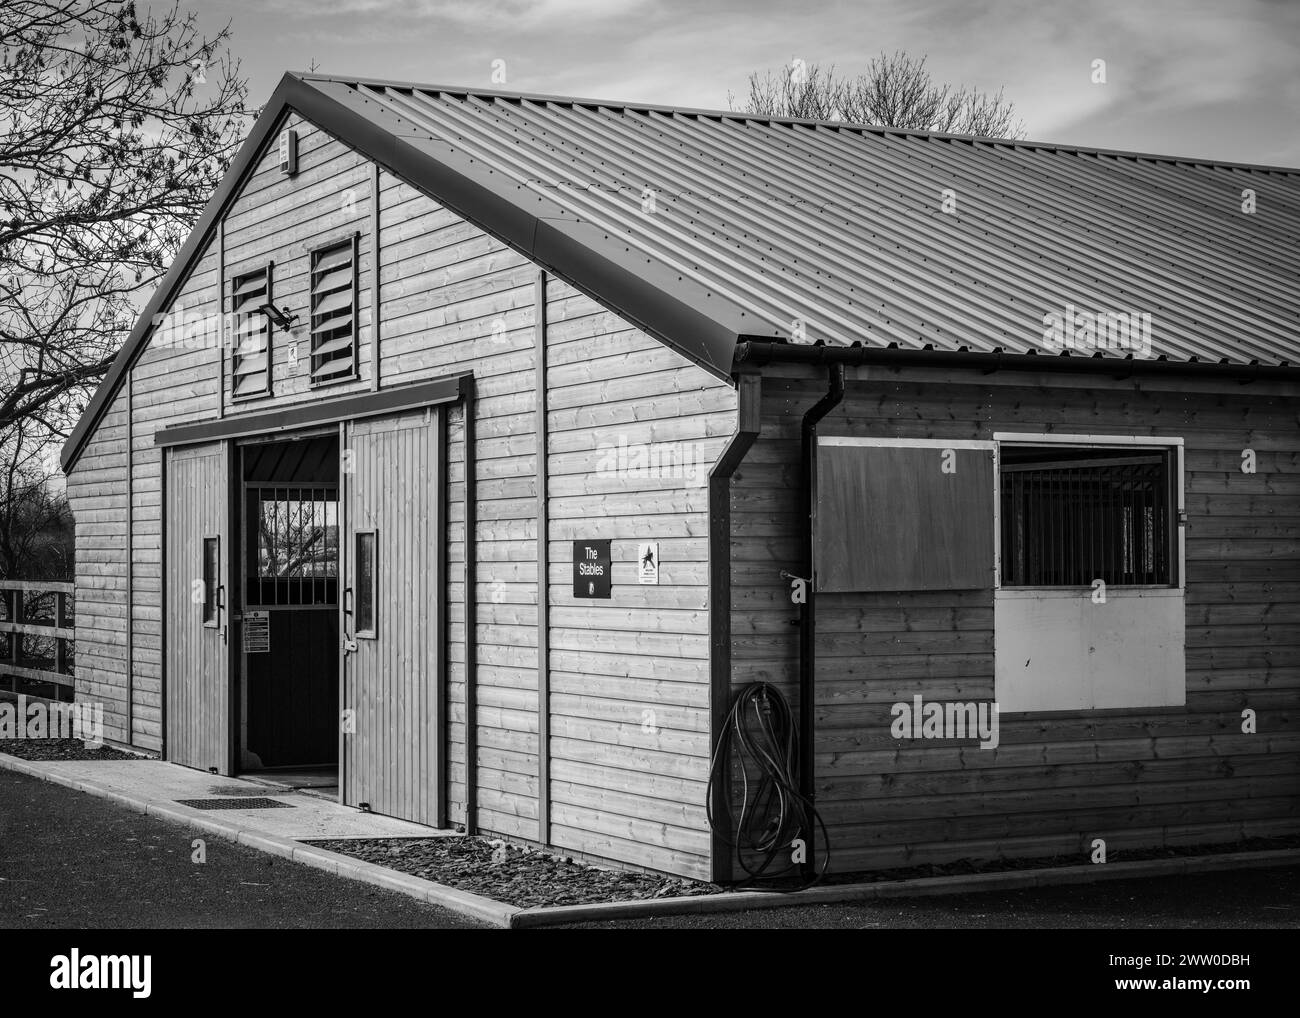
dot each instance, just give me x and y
(647, 562)
(257, 632)
(591, 569)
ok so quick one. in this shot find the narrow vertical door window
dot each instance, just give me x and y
(367, 583)
(211, 584)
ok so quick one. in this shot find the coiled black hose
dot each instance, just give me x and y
(759, 731)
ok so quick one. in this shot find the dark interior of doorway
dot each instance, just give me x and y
(290, 588)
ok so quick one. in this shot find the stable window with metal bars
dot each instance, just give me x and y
(250, 359)
(334, 307)
(295, 557)
(1073, 515)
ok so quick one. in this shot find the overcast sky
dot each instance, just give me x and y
(1211, 78)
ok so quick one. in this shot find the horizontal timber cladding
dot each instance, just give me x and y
(98, 494)
(633, 429)
(1056, 781)
(172, 381)
(455, 300)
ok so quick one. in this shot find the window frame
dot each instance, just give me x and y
(370, 632)
(235, 277)
(354, 240)
(1170, 445)
(210, 572)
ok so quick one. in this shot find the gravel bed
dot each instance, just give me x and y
(516, 875)
(61, 749)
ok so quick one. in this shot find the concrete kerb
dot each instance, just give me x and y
(532, 918)
(499, 914)
(464, 903)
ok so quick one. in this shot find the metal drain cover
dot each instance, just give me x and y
(249, 802)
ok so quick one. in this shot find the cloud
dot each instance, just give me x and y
(520, 15)
(1184, 76)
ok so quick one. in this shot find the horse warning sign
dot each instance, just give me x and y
(647, 562)
(591, 569)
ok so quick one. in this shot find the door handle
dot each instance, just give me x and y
(349, 645)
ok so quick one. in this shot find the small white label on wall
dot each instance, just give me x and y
(647, 562)
(257, 632)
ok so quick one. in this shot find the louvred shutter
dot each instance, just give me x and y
(333, 312)
(250, 361)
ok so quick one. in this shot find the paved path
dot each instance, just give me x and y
(72, 860)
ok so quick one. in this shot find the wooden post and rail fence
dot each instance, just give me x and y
(43, 610)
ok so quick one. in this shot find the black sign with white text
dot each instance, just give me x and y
(591, 569)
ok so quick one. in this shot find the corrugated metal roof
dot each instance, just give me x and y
(843, 228)
(795, 230)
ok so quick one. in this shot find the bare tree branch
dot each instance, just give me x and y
(895, 91)
(115, 127)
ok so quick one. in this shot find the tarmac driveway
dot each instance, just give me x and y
(72, 860)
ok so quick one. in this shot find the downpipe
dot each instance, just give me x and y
(807, 611)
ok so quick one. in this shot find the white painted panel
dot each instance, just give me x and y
(1058, 650)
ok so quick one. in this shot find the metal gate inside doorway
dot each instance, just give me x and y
(290, 637)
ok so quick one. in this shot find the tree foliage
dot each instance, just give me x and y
(895, 91)
(115, 126)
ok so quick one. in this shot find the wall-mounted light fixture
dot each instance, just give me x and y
(278, 318)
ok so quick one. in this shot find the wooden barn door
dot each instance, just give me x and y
(197, 560)
(391, 617)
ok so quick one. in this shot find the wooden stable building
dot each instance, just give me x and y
(484, 446)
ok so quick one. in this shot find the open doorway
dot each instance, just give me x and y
(289, 693)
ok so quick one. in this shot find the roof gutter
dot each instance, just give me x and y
(760, 353)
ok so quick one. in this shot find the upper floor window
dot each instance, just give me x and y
(334, 312)
(250, 360)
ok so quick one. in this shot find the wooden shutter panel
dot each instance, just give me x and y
(334, 312)
(903, 515)
(250, 360)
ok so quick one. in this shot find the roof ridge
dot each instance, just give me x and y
(879, 129)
